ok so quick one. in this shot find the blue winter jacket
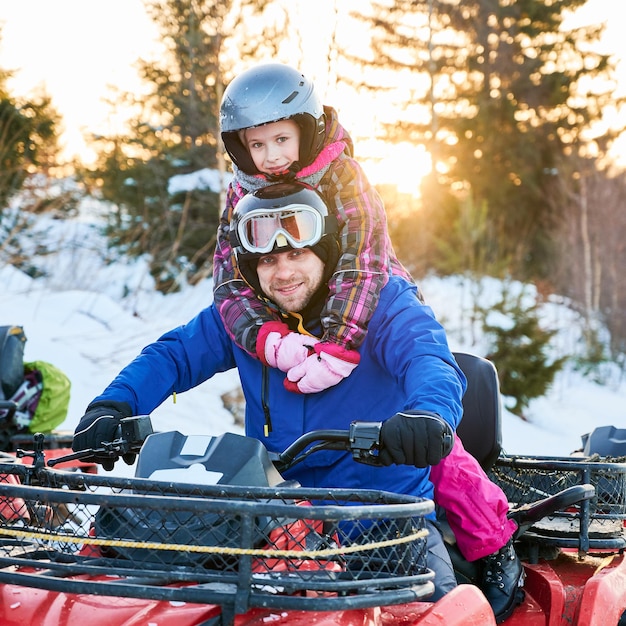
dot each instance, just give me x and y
(405, 364)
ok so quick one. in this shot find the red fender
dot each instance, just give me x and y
(568, 591)
(545, 597)
(465, 605)
(604, 596)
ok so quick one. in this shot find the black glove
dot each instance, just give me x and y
(98, 425)
(419, 438)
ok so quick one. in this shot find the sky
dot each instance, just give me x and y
(78, 319)
(77, 49)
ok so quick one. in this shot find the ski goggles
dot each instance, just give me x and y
(260, 229)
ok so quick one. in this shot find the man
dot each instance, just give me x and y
(406, 376)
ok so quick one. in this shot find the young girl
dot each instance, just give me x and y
(275, 128)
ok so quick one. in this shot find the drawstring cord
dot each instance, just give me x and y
(265, 392)
(300, 324)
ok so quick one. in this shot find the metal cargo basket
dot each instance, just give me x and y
(287, 548)
(593, 524)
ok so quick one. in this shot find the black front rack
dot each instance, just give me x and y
(281, 547)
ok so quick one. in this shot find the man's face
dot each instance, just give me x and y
(273, 147)
(290, 278)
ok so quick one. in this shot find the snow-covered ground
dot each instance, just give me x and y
(79, 318)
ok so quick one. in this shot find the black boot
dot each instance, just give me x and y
(501, 580)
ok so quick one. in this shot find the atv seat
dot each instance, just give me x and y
(480, 429)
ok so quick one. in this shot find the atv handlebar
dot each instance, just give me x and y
(362, 440)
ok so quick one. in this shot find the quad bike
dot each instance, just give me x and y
(208, 532)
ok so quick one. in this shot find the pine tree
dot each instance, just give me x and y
(28, 139)
(497, 92)
(175, 132)
(520, 350)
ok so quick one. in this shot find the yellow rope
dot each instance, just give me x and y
(312, 554)
(605, 562)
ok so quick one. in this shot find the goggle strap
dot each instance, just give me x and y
(331, 224)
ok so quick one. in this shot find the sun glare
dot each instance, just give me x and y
(403, 165)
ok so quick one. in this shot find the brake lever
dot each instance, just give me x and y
(113, 449)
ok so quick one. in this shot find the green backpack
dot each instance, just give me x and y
(51, 409)
(40, 391)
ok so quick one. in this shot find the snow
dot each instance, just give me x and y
(93, 312)
(202, 179)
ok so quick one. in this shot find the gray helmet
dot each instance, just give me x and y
(270, 93)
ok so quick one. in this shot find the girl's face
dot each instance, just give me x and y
(273, 147)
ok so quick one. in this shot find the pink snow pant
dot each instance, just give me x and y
(476, 508)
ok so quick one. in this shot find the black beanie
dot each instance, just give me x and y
(327, 249)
